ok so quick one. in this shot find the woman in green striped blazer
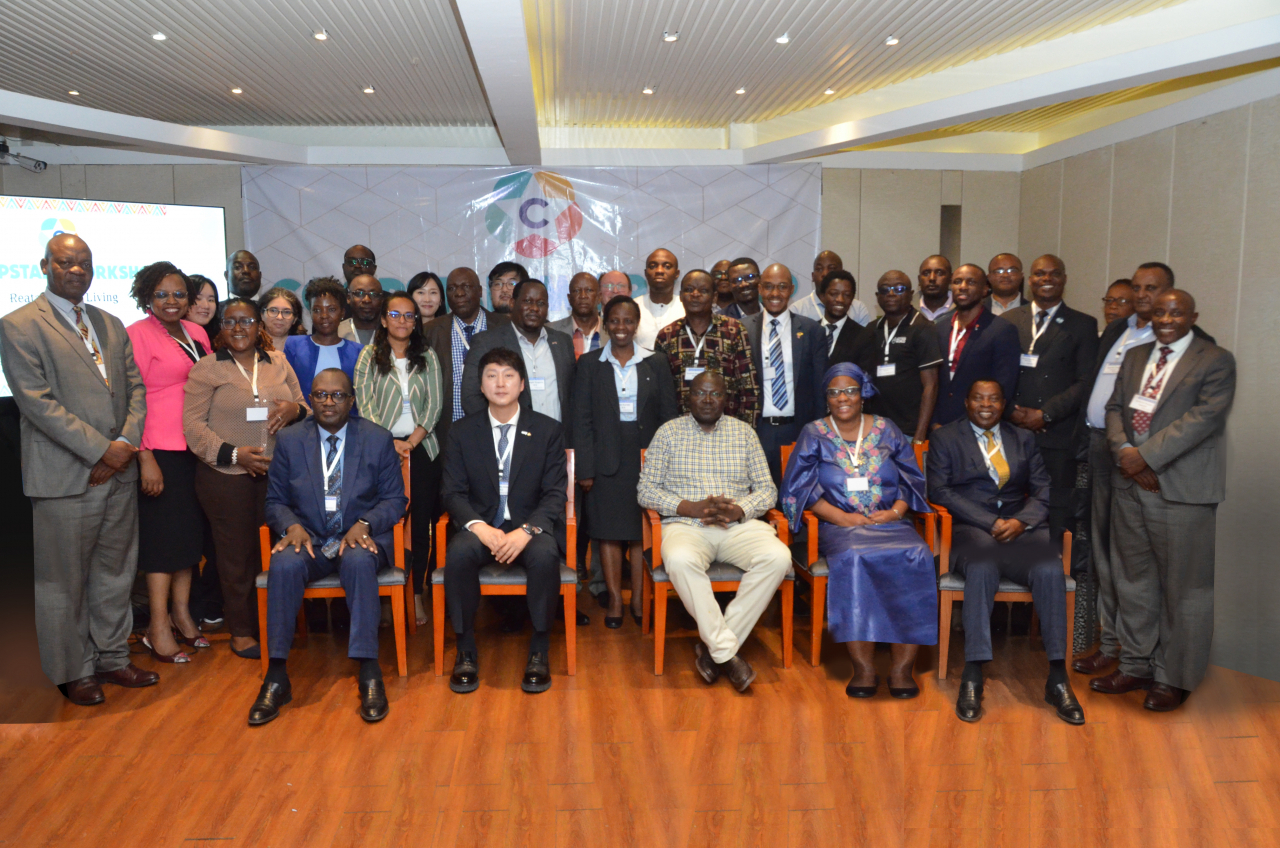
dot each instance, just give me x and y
(398, 387)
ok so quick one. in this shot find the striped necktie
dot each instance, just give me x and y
(92, 345)
(1142, 420)
(778, 365)
(333, 486)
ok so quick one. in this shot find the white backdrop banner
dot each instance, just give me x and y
(300, 220)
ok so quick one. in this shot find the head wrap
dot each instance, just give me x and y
(848, 369)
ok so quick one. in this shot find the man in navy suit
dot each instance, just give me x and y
(505, 486)
(989, 475)
(790, 354)
(334, 495)
(977, 346)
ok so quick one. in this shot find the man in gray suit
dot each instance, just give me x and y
(71, 369)
(583, 324)
(1165, 426)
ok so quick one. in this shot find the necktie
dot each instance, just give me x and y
(333, 486)
(997, 458)
(504, 472)
(1142, 420)
(778, 365)
(93, 346)
(468, 330)
(1041, 316)
(831, 338)
(579, 340)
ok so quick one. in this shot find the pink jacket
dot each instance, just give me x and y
(164, 367)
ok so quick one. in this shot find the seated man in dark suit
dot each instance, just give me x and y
(505, 489)
(334, 495)
(991, 478)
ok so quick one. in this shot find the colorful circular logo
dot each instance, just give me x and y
(54, 227)
(534, 210)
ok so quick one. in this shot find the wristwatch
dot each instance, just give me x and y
(530, 529)
(366, 524)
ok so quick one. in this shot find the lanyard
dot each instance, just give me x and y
(325, 468)
(403, 377)
(697, 343)
(253, 384)
(855, 455)
(462, 334)
(1151, 388)
(189, 346)
(888, 339)
(502, 460)
(1036, 334)
(955, 340)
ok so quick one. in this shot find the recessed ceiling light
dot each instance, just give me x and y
(670, 36)
(783, 39)
(647, 90)
(741, 91)
(237, 91)
(891, 40)
(829, 91)
(320, 35)
(74, 93)
(368, 89)
(159, 36)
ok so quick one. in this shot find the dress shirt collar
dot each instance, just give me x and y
(1036, 310)
(494, 423)
(524, 340)
(839, 325)
(696, 427)
(62, 304)
(606, 351)
(982, 434)
(475, 322)
(577, 328)
(1176, 348)
(325, 434)
(784, 322)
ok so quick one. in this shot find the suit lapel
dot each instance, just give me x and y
(644, 387)
(1052, 330)
(314, 472)
(522, 437)
(351, 461)
(71, 336)
(1180, 370)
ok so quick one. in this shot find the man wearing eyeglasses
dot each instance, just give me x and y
(503, 279)
(744, 276)
(341, 520)
(364, 302)
(1004, 275)
(358, 260)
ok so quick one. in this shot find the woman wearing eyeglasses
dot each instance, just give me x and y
(236, 402)
(281, 315)
(858, 474)
(170, 524)
(309, 355)
(398, 385)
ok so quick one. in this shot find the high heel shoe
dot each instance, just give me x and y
(639, 618)
(613, 622)
(179, 657)
(197, 641)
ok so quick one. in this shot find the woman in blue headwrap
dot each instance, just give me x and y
(858, 474)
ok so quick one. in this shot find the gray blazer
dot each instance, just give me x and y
(1185, 447)
(69, 415)
(566, 326)
(504, 335)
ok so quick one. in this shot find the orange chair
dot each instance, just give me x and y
(394, 582)
(498, 579)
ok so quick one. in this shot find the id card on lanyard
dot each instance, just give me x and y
(257, 412)
(955, 342)
(887, 368)
(695, 369)
(856, 483)
(327, 468)
(504, 468)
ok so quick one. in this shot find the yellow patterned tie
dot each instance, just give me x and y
(997, 458)
(93, 346)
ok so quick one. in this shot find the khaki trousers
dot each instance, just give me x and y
(753, 546)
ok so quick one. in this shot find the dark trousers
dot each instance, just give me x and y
(424, 509)
(772, 438)
(1029, 560)
(464, 558)
(235, 504)
(1101, 466)
(1061, 465)
(206, 590)
(291, 572)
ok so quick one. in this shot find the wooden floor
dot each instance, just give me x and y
(619, 757)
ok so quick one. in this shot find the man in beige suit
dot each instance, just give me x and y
(1165, 425)
(70, 367)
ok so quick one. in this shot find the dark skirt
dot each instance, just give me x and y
(613, 512)
(171, 526)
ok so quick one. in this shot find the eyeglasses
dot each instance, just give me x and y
(365, 295)
(1004, 272)
(337, 397)
(277, 312)
(176, 295)
(230, 323)
(898, 289)
(774, 287)
(749, 278)
(402, 316)
(707, 393)
(360, 263)
(1112, 301)
(848, 391)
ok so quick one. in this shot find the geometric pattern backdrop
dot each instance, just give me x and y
(299, 220)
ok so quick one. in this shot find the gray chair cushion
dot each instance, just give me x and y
(718, 572)
(495, 574)
(818, 569)
(952, 582)
(388, 576)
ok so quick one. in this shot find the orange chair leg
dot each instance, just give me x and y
(571, 626)
(437, 622)
(397, 624)
(944, 633)
(262, 629)
(817, 621)
(659, 625)
(788, 621)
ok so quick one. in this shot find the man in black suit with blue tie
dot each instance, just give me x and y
(977, 345)
(989, 475)
(789, 353)
(334, 495)
(505, 486)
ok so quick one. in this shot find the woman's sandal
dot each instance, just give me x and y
(179, 657)
(197, 641)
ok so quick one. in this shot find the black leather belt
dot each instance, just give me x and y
(780, 420)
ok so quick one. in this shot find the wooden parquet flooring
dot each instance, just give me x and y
(619, 757)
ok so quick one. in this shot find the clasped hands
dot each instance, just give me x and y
(505, 547)
(1007, 529)
(1133, 466)
(297, 537)
(1028, 419)
(117, 458)
(716, 510)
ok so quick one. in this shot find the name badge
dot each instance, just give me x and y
(1111, 368)
(1029, 360)
(690, 373)
(537, 384)
(857, 484)
(627, 407)
(770, 372)
(405, 409)
(503, 488)
(330, 503)
(255, 413)
(902, 340)
(889, 369)
(1143, 404)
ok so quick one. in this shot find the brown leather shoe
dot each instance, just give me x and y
(739, 672)
(1163, 698)
(1095, 663)
(1117, 683)
(85, 692)
(131, 677)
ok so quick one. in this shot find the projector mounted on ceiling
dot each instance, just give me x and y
(8, 157)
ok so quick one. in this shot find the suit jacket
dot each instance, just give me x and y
(303, 354)
(372, 484)
(958, 478)
(847, 342)
(439, 335)
(347, 330)
(1060, 383)
(991, 352)
(505, 336)
(596, 443)
(538, 485)
(69, 413)
(1186, 445)
(808, 362)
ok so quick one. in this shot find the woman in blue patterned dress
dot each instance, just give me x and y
(858, 474)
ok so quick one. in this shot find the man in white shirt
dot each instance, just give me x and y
(811, 306)
(935, 287)
(659, 306)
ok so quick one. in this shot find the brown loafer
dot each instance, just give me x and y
(704, 665)
(130, 677)
(739, 672)
(1163, 698)
(1117, 683)
(1095, 663)
(85, 692)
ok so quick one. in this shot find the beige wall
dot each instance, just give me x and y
(195, 185)
(879, 220)
(1205, 198)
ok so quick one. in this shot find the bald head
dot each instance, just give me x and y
(358, 260)
(661, 270)
(1048, 280)
(67, 266)
(1173, 316)
(823, 264)
(893, 293)
(776, 288)
(243, 274)
(584, 298)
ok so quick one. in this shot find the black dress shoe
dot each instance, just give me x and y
(373, 701)
(466, 673)
(704, 665)
(613, 623)
(904, 693)
(969, 704)
(584, 619)
(862, 691)
(603, 600)
(1061, 698)
(537, 674)
(739, 672)
(271, 697)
